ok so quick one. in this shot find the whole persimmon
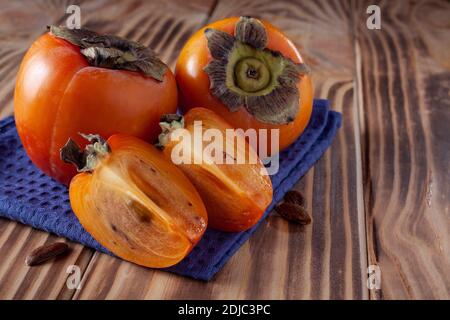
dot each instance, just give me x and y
(251, 74)
(74, 81)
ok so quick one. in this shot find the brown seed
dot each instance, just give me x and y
(293, 213)
(295, 197)
(46, 252)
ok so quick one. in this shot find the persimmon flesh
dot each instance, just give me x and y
(236, 194)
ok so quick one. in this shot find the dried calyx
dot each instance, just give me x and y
(85, 160)
(245, 73)
(168, 123)
(113, 52)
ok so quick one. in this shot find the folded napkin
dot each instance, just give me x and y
(29, 196)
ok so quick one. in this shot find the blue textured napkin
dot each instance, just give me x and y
(27, 195)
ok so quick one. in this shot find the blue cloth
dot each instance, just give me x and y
(29, 196)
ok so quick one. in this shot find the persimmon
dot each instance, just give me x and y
(231, 179)
(133, 201)
(250, 73)
(74, 81)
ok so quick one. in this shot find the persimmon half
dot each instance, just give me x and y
(224, 168)
(251, 74)
(74, 81)
(133, 201)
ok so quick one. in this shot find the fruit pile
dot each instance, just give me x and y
(97, 113)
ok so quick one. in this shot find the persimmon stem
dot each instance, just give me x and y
(168, 123)
(85, 160)
(251, 74)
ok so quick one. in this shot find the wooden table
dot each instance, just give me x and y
(379, 196)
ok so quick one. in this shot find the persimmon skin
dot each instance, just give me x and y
(235, 195)
(194, 85)
(58, 95)
(86, 191)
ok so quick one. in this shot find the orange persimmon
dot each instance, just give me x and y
(133, 201)
(231, 179)
(74, 81)
(250, 73)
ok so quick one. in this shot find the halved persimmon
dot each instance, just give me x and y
(133, 201)
(231, 179)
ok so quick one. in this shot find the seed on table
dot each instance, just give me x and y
(46, 252)
(293, 213)
(295, 197)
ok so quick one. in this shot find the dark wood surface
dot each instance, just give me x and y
(406, 111)
(379, 195)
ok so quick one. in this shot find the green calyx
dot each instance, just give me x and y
(168, 123)
(85, 160)
(251, 75)
(244, 73)
(256, 74)
(113, 52)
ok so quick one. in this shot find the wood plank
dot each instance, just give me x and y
(281, 261)
(164, 26)
(405, 80)
(46, 281)
(21, 23)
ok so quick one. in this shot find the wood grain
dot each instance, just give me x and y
(405, 80)
(45, 281)
(21, 23)
(330, 256)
